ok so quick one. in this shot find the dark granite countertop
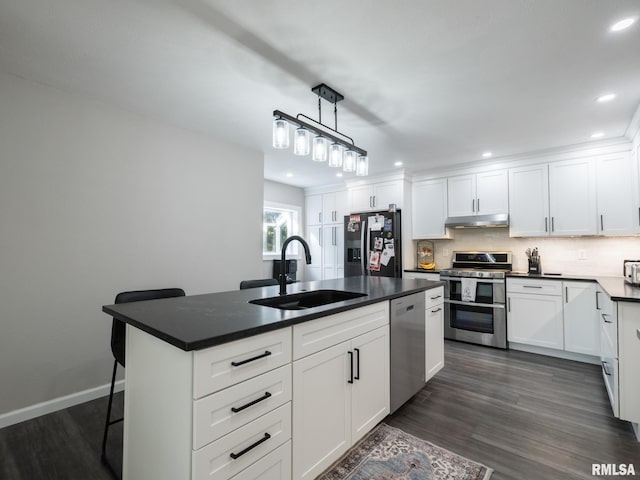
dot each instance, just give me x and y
(200, 321)
(422, 270)
(615, 287)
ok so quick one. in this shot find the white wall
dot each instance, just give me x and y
(288, 195)
(93, 201)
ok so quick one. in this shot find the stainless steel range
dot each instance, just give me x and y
(475, 298)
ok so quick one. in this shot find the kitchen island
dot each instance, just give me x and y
(219, 388)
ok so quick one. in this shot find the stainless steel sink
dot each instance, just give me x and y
(302, 300)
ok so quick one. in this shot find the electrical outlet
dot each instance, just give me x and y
(582, 254)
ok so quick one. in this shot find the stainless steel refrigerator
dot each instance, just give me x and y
(373, 244)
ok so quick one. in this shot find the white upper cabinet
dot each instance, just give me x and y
(313, 210)
(376, 196)
(529, 201)
(478, 194)
(617, 194)
(334, 207)
(572, 197)
(429, 208)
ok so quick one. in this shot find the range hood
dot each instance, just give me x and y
(476, 221)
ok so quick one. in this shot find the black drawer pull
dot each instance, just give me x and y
(350, 353)
(532, 286)
(250, 447)
(357, 375)
(257, 400)
(265, 354)
(604, 317)
(604, 368)
(437, 296)
(436, 310)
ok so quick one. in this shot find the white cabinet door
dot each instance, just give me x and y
(529, 201)
(321, 410)
(429, 209)
(617, 187)
(461, 195)
(332, 251)
(313, 209)
(361, 198)
(492, 192)
(581, 320)
(535, 320)
(572, 197)
(387, 193)
(628, 360)
(334, 207)
(313, 271)
(370, 395)
(434, 354)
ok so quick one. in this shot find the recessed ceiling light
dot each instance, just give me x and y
(339, 174)
(289, 174)
(622, 24)
(597, 135)
(487, 155)
(398, 164)
(607, 97)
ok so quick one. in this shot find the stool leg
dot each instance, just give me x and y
(103, 456)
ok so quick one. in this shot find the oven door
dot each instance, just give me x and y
(479, 323)
(488, 291)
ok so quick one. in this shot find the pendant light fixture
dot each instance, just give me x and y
(328, 144)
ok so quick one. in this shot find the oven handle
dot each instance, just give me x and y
(474, 304)
(479, 279)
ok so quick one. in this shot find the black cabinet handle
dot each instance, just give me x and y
(478, 202)
(350, 353)
(437, 296)
(258, 357)
(597, 304)
(604, 317)
(357, 376)
(553, 226)
(436, 310)
(250, 447)
(257, 400)
(531, 286)
(604, 368)
(602, 222)
(546, 224)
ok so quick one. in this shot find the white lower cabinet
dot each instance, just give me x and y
(534, 313)
(629, 359)
(581, 325)
(340, 391)
(434, 332)
(421, 275)
(273, 466)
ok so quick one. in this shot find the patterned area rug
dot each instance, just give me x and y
(388, 453)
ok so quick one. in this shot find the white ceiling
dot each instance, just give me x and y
(427, 82)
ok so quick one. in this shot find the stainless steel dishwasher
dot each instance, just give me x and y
(407, 348)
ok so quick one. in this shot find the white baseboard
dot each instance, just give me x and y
(39, 409)
(552, 352)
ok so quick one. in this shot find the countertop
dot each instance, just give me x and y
(199, 321)
(422, 270)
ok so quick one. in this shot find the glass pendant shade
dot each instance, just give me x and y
(362, 166)
(335, 155)
(349, 161)
(301, 141)
(320, 149)
(280, 133)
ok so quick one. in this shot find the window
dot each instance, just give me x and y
(278, 223)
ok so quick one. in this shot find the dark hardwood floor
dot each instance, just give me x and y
(526, 416)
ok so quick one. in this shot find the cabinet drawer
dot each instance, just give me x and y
(273, 466)
(213, 416)
(604, 304)
(610, 376)
(224, 365)
(248, 443)
(609, 330)
(536, 287)
(316, 335)
(434, 296)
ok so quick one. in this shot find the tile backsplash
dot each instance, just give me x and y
(569, 255)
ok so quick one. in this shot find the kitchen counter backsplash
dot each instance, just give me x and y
(604, 255)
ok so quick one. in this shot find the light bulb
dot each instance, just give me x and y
(301, 141)
(280, 133)
(349, 162)
(320, 149)
(335, 155)
(362, 166)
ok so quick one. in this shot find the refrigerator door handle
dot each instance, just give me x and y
(364, 238)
